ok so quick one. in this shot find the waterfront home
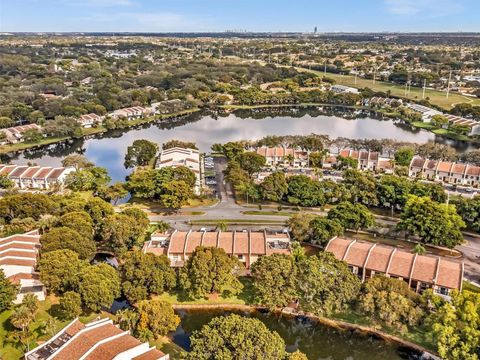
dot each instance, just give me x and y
(190, 158)
(18, 260)
(97, 340)
(131, 113)
(88, 120)
(426, 112)
(247, 246)
(367, 160)
(36, 177)
(15, 134)
(420, 272)
(283, 156)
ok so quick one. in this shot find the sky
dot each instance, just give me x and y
(250, 15)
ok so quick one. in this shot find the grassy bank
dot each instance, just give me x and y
(4, 149)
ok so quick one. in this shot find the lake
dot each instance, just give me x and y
(317, 341)
(108, 149)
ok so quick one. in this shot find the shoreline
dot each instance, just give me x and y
(334, 323)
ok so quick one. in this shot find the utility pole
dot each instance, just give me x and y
(374, 74)
(424, 85)
(325, 68)
(448, 85)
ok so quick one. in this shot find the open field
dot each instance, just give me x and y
(436, 97)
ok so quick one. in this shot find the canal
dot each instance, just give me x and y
(108, 149)
(317, 341)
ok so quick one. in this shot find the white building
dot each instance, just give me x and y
(35, 177)
(18, 259)
(175, 157)
(342, 89)
(88, 120)
(426, 112)
(97, 340)
(15, 134)
(135, 112)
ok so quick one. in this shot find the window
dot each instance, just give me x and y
(442, 290)
(240, 257)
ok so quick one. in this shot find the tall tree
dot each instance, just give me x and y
(157, 317)
(274, 186)
(251, 162)
(140, 153)
(352, 216)
(274, 279)
(145, 274)
(209, 270)
(323, 229)
(78, 161)
(404, 155)
(8, 292)
(80, 221)
(434, 223)
(70, 305)
(236, 337)
(99, 286)
(60, 270)
(325, 285)
(64, 238)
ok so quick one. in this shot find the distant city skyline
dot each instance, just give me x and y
(249, 15)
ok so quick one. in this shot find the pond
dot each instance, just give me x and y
(108, 149)
(317, 341)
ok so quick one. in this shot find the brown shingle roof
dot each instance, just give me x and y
(110, 349)
(257, 243)
(431, 164)
(379, 258)
(357, 253)
(30, 172)
(338, 247)
(425, 269)
(473, 170)
(401, 264)
(43, 172)
(226, 241)
(450, 274)
(55, 174)
(193, 241)
(177, 242)
(152, 354)
(458, 168)
(241, 243)
(418, 162)
(444, 166)
(18, 171)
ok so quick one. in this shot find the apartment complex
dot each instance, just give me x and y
(98, 340)
(367, 160)
(88, 120)
(130, 113)
(445, 171)
(190, 158)
(35, 177)
(247, 246)
(18, 259)
(420, 272)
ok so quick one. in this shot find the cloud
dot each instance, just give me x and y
(430, 8)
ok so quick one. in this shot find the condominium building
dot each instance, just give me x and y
(36, 177)
(18, 260)
(283, 156)
(445, 171)
(15, 134)
(97, 340)
(88, 120)
(135, 112)
(247, 246)
(420, 272)
(189, 158)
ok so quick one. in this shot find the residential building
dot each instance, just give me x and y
(36, 177)
(342, 89)
(15, 134)
(88, 120)
(367, 160)
(283, 156)
(97, 340)
(426, 112)
(445, 171)
(131, 113)
(175, 157)
(420, 272)
(18, 260)
(247, 246)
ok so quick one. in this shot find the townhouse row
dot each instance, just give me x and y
(444, 171)
(36, 177)
(247, 246)
(18, 260)
(420, 272)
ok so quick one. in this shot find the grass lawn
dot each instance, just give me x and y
(470, 287)
(245, 297)
(10, 350)
(258, 212)
(424, 125)
(168, 347)
(436, 97)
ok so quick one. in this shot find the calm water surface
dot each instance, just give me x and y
(315, 340)
(108, 150)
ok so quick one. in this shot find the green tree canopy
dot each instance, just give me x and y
(209, 270)
(390, 302)
(434, 223)
(274, 280)
(251, 162)
(8, 292)
(274, 187)
(60, 269)
(140, 153)
(361, 185)
(26, 205)
(236, 337)
(145, 274)
(99, 286)
(80, 221)
(70, 305)
(325, 285)
(352, 216)
(323, 229)
(156, 317)
(64, 238)
(404, 156)
(304, 191)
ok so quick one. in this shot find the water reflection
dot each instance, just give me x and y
(108, 149)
